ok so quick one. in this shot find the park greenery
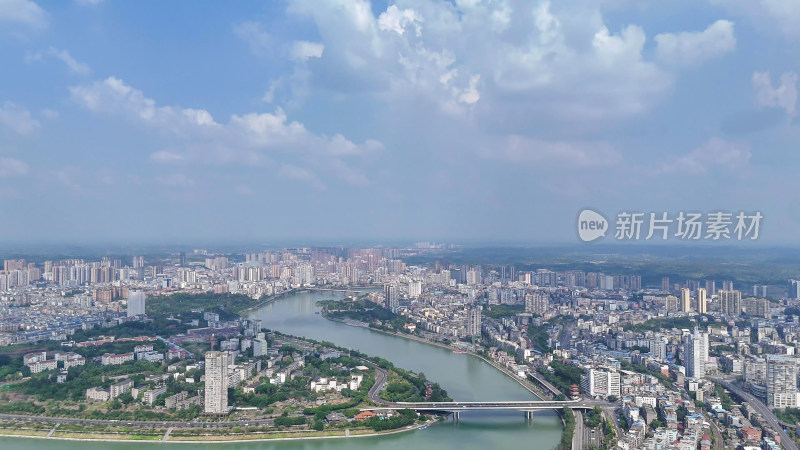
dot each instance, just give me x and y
(663, 379)
(538, 334)
(563, 375)
(500, 311)
(227, 305)
(723, 396)
(403, 418)
(364, 311)
(594, 418)
(569, 429)
(788, 415)
(666, 323)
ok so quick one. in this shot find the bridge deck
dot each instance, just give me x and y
(508, 405)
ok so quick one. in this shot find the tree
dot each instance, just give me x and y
(656, 424)
(126, 398)
(613, 398)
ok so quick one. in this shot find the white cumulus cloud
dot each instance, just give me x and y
(73, 65)
(783, 96)
(197, 138)
(292, 172)
(25, 12)
(715, 154)
(10, 167)
(781, 16)
(694, 47)
(304, 50)
(397, 20)
(18, 119)
(520, 149)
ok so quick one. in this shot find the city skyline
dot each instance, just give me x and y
(390, 120)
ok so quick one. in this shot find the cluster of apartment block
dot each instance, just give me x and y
(41, 361)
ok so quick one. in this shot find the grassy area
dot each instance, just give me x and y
(563, 376)
(626, 365)
(363, 311)
(789, 415)
(539, 336)
(498, 311)
(227, 305)
(569, 429)
(668, 323)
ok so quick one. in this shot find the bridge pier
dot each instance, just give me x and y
(456, 416)
(529, 415)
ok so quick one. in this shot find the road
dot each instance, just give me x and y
(546, 384)
(135, 423)
(762, 409)
(577, 437)
(381, 375)
(532, 405)
(566, 335)
(720, 442)
(610, 414)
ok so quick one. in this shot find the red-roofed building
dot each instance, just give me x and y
(363, 415)
(750, 434)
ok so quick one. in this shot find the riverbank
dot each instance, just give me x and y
(448, 347)
(200, 439)
(272, 298)
(54, 427)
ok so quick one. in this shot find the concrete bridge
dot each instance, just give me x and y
(528, 407)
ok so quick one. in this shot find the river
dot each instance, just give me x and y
(465, 378)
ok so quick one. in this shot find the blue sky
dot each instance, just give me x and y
(464, 120)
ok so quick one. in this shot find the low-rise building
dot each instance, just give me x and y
(121, 387)
(109, 359)
(149, 397)
(97, 394)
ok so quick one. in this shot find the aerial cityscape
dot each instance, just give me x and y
(395, 224)
(181, 346)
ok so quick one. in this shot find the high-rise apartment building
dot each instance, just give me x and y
(390, 295)
(537, 302)
(695, 353)
(702, 302)
(794, 289)
(686, 300)
(601, 383)
(474, 321)
(658, 347)
(136, 303)
(415, 289)
(756, 307)
(671, 303)
(216, 382)
(474, 276)
(781, 381)
(730, 302)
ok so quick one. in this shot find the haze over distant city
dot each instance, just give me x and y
(325, 119)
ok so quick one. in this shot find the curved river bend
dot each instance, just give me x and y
(464, 377)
